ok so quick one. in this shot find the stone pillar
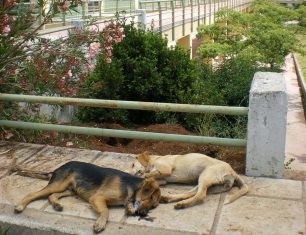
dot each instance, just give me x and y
(266, 126)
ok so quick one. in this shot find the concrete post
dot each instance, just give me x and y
(267, 126)
(142, 18)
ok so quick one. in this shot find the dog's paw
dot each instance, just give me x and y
(179, 206)
(227, 201)
(99, 226)
(130, 211)
(57, 207)
(165, 199)
(18, 208)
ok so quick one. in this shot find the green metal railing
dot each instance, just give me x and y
(116, 104)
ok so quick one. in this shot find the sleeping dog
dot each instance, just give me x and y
(100, 187)
(212, 175)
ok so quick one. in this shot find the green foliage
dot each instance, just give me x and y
(302, 16)
(143, 68)
(262, 31)
(228, 84)
(4, 231)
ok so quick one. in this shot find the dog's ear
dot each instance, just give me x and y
(144, 158)
(148, 186)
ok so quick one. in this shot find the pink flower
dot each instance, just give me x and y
(64, 6)
(68, 144)
(108, 60)
(108, 52)
(8, 135)
(69, 73)
(117, 39)
(95, 46)
(10, 3)
(6, 29)
(90, 67)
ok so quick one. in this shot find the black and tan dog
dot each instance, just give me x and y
(100, 187)
(211, 175)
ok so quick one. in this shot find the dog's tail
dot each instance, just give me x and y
(33, 174)
(243, 189)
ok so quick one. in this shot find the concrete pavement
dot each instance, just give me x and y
(296, 125)
(273, 206)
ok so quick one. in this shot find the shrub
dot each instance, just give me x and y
(143, 68)
(226, 85)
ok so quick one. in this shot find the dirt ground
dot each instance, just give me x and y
(234, 156)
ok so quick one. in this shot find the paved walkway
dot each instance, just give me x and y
(296, 125)
(273, 206)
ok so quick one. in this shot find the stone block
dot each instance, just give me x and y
(267, 121)
(13, 188)
(74, 206)
(278, 188)
(120, 161)
(52, 157)
(16, 153)
(196, 219)
(256, 215)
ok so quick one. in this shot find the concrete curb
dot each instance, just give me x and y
(301, 81)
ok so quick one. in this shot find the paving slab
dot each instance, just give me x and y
(120, 161)
(13, 188)
(198, 219)
(15, 153)
(278, 188)
(257, 215)
(33, 222)
(50, 158)
(74, 206)
(296, 125)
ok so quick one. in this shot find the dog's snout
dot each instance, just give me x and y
(142, 212)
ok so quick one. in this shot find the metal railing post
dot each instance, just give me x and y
(205, 12)
(64, 18)
(173, 21)
(214, 10)
(160, 18)
(100, 8)
(210, 12)
(191, 7)
(183, 25)
(199, 12)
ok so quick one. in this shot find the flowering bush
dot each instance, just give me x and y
(31, 64)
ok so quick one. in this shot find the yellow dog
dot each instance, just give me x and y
(210, 173)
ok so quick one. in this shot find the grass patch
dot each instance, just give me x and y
(302, 59)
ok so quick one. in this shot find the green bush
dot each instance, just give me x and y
(225, 85)
(143, 68)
